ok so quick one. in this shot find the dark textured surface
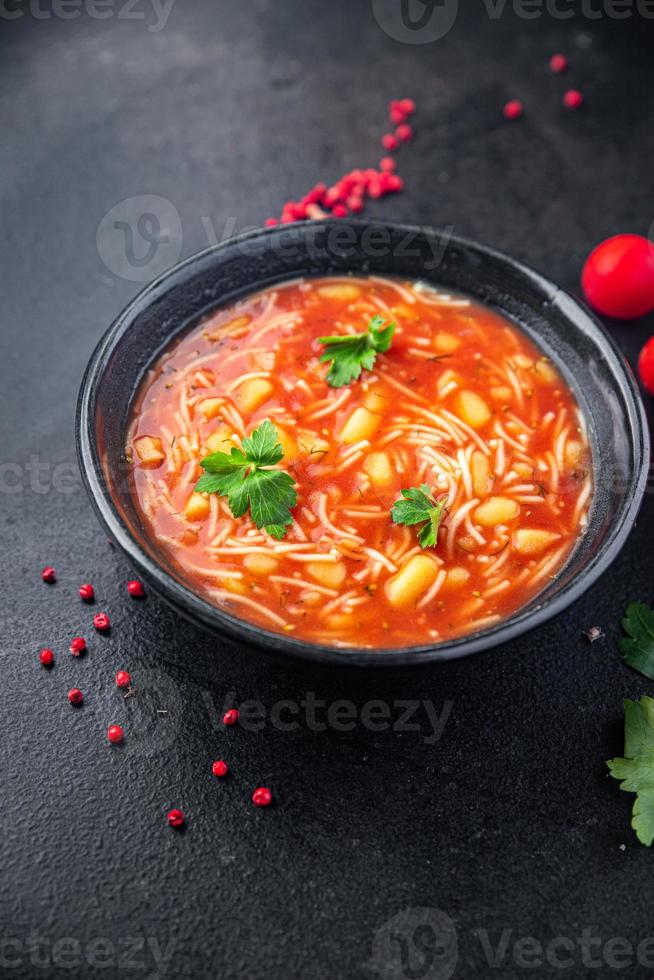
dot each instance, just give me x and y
(510, 821)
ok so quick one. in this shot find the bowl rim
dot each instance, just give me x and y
(191, 605)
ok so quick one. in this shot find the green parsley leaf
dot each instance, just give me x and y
(637, 648)
(351, 353)
(636, 770)
(242, 478)
(419, 507)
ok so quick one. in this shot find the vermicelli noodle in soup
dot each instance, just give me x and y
(462, 407)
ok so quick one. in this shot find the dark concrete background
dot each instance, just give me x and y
(508, 822)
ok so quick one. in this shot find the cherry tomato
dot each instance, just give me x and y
(618, 277)
(646, 366)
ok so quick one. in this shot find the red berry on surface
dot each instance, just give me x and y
(404, 132)
(49, 575)
(101, 622)
(230, 717)
(408, 106)
(387, 164)
(513, 109)
(219, 768)
(394, 184)
(269, 223)
(572, 99)
(396, 113)
(176, 818)
(46, 657)
(123, 678)
(262, 796)
(646, 366)
(390, 141)
(355, 204)
(115, 733)
(75, 696)
(86, 592)
(135, 588)
(618, 277)
(77, 645)
(558, 63)
(339, 210)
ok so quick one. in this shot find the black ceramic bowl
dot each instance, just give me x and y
(562, 328)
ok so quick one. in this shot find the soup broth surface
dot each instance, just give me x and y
(462, 402)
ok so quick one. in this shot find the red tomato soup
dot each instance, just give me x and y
(462, 404)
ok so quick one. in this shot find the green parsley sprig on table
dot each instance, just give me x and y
(351, 353)
(419, 507)
(244, 478)
(636, 769)
(637, 648)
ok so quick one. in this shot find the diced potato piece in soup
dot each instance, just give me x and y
(472, 409)
(149, 450)
(379, 469)
(211, 407)
(253, 393)
(446, 343)
(482, 481)
(197, 507)
(456, 577)
(496, 510)
(287, 442)
(220, 441)
(261, 565)
(406, 587)
(361, 424)
(532, 541)
(344, 291)
(329, 574)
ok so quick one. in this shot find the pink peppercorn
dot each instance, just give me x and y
(86, 592)
(262, 796)
(135, 588)
(513, 109)
(175, 818)
(390, 141)
(271, 222)
(77, 646)
(230, 717)
(115, 734)
(46, 657)
(404, 132)
(101, 622)
(558, 63)
(387, 164)
(219, 768)
(123, 678)
(49, 575)
(339, 210)
(408, 106)
(573, 99)
(355, 204)
(75, 696)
